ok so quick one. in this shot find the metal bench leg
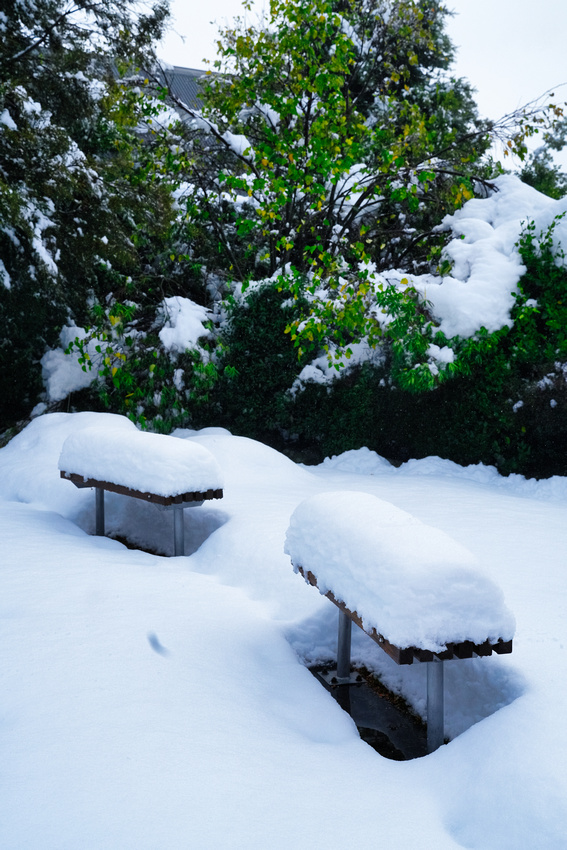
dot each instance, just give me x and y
(435, 705)
(178, 531)
(99, 512)
(343, 647)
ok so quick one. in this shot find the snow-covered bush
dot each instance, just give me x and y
(153, 365)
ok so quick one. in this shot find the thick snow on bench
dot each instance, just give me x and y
(150, 463)
(412, 583)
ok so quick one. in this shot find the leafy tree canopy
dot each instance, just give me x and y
(331, 142)
(336, 121)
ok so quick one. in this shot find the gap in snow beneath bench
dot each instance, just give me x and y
(149, 527)
(475, 688)
(383, 719)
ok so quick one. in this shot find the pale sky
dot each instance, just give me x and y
(510, 50)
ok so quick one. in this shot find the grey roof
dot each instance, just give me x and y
(184, 84)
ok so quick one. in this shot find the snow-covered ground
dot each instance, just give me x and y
(152, 702)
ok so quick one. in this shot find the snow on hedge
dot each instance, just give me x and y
(479, 292)
(486, 263)
(412, 583)
(150, 463)
(63, 373)
(486, 268)
(183, 323)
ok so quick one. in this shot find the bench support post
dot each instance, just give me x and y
(99, 512)
(435, 705)
(343, 647)
(178, 531)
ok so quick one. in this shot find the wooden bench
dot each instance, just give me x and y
(407, 655)
(313, 515)
(151, 467)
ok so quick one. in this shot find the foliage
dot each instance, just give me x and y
(541, 310)
(543, 174)
(73, 212)
(136, 374)
(516, 378)
(335, 134)
(252, 395)
(330, 143)
(540, 117)
(506, 404)
(468, 420)
(307, 192)
(540, 170)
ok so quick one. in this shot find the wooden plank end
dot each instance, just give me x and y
(503, 647)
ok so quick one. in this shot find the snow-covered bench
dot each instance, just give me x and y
(153, 467)
(410, 587)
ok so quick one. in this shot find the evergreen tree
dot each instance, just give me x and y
(72, 204)
(540, 170)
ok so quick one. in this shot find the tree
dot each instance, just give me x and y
(344, 115)
(330, 143)
(72, 205)
(540, 170)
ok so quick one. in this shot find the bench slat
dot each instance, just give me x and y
(407, 655)
(503, 647)
(180, 499)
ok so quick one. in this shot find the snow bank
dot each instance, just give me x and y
(412, 583)
(363, 461)
(366, 462)
(486, 268)
(150, 463)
